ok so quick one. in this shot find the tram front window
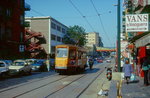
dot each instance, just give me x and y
(62, 52)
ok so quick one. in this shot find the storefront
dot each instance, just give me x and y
(142, 50)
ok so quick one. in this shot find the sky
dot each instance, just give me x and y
(64, 12)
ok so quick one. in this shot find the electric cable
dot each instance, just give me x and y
(99, 16)
(84, 17)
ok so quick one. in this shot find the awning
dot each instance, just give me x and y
(143, 41)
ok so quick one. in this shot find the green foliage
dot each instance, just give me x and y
(75, 36)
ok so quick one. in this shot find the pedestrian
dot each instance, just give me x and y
(145, 68)
(127, 69)
(91, 62)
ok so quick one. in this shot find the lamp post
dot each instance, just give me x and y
(118, 35)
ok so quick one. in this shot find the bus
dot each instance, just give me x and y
(70, 58)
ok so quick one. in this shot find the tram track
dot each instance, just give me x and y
(51, 83)
(75, 81)
(1, 91)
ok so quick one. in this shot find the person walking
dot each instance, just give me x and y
(145, 68)
(91, 62)
(127, 69)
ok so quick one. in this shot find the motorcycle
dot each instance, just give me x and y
(109, 73)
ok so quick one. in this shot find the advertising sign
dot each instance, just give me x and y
(124, 53)
(137, 23)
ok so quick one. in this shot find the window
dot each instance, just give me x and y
(53, 37)
(58, 28)
(72, 54)
(21, 37)
(53, 25)
(58, 39)
(62, 52)
(2, 64)
(63, 30)
(79, 55)
(21, 19)
(8, 12)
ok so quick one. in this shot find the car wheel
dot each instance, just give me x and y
(2, 75)
(21, 73)
(30, 71)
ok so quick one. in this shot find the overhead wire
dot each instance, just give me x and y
(99, 16)
(84, 17)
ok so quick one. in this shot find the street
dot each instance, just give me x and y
(52, 85)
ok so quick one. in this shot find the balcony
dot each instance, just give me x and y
(27, 7)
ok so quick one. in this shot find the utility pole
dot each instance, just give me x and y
(118, 35)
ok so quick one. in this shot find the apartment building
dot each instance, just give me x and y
(51, 29)
(93, 38)
(12, 28)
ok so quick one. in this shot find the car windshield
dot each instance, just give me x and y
(18, 63)
(62, 52)
(2, 65)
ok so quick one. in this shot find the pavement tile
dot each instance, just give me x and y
(135, 90)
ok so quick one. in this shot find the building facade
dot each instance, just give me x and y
(52, 30)
(139, 42)
(12, 28)
(93, 38)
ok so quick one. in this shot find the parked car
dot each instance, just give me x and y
(3, 69)
(8, 62)
(108, 61)
(99, 60)
(52, 63)
(20, 67)
(39, 65)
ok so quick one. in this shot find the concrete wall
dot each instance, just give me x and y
(42, 25)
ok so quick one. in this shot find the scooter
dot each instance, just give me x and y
(109, 73)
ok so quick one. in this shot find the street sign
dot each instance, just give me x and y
(137, 23)
(21, 48)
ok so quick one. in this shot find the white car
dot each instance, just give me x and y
(20, 67)
(108, 61)
(3, 69)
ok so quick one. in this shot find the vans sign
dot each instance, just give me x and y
(137, 23)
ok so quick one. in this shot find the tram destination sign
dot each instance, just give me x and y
(137, 22)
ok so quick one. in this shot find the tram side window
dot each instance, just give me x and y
(83, 55)
(72, 54)
(79, 55)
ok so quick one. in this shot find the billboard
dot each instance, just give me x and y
(137, 22)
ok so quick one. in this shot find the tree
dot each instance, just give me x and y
(75, 35)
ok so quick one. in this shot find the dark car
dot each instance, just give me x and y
(39, 65)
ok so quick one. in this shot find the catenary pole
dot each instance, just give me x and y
(118, 35)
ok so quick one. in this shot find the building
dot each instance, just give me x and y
(139, 41)
(93, 38)
(12, 28)
(52, 30)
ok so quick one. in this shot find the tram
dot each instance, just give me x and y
(70, 58)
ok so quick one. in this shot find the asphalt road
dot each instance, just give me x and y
(52, 85)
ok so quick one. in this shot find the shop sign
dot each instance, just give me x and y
(142, 41)
(137, 23)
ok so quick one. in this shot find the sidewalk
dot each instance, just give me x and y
(135, 90)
